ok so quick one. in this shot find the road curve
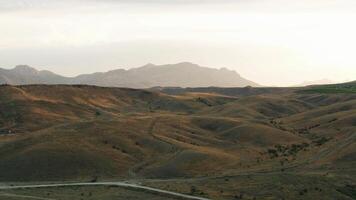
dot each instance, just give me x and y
(119, 184)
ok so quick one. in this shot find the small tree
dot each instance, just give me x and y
(193, 189)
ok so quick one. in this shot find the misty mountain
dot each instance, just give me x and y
(24, 75)
(172, 75)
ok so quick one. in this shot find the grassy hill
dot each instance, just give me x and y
(196, 139)
(333, 88)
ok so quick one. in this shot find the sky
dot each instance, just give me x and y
(271, 42)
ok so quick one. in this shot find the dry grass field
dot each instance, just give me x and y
(220, 143)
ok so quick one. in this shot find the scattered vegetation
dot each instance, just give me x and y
(97, 113)
(204, 101)
(286, 150)
(321, 141)
(335, 88)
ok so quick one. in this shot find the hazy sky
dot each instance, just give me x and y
(272, 42)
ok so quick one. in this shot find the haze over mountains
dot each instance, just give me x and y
(183, 74)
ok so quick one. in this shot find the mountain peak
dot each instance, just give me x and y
(186, 63)
(24, 69)
(149, 65)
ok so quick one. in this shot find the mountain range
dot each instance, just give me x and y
(183, 74)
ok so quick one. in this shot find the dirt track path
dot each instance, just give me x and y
(119, 184)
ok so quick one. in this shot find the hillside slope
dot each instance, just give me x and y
(61, 133)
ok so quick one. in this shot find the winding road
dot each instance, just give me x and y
(119, 184)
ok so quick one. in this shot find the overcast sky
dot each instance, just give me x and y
(272, 42)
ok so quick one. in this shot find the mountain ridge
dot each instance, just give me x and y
(184, 74)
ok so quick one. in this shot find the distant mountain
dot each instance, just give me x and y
(23, 75)
(174, 75)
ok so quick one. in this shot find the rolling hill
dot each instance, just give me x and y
(254, 142)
